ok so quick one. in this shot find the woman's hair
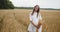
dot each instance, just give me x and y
(36, 11)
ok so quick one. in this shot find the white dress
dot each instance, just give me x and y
(35, 20)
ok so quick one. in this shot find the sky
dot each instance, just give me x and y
(42, 3)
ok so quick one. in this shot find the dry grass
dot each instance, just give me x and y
(17, 20)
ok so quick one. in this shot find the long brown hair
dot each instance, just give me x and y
(36, 11)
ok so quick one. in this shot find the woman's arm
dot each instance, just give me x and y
(39, 24)
(40, 21)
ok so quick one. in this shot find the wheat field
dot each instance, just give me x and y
(17, 20)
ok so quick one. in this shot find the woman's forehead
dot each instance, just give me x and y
(36, 6)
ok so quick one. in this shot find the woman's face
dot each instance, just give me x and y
(36, 8)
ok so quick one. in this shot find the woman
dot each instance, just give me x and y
(35, 20)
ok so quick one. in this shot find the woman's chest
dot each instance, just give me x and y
(35, 19)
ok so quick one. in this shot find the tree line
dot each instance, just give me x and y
(6, 4)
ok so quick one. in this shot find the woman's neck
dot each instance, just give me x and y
(35, 11)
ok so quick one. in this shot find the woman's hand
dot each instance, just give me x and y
(38, 26)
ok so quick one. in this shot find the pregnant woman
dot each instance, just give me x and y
(35, 20)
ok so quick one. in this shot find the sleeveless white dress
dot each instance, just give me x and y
(35, 20)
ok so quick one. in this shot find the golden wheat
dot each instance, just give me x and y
(17, 20)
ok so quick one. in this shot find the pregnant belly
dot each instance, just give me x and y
(35, 22)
